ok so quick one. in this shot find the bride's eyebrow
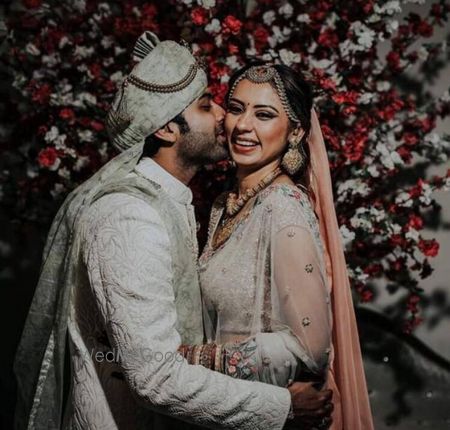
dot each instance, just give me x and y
(267, 106)
(234, 100)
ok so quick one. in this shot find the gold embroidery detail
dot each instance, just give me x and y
(161, 88)
(306, 322)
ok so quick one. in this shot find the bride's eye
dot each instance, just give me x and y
(234, 109)
(265, 115)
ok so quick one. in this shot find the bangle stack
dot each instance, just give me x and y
(209, 355)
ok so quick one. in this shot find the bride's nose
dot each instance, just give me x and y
(244, 122)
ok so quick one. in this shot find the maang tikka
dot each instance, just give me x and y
(293, 159)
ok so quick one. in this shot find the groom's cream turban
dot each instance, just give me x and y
(166, 80)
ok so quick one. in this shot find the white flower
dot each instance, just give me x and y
(412, 234)
(269, 17)
(286, 10)
(288, 57)
(63, 42)
(81, 162)
(445, 97)
(373, 171)
(32, 49)
(392, 26)
(304, 17)
(118, 50)
(117, 77)
(85, 135)
(425, 197)
(58, 189)
(414, 1)
(389, 8)
(207, 4)
(85, 99)
(352, 187)
(55, 165)
(250, 52)
(377, 214)
(108, 61)
(51, 60)
(364, 34)
(388, 158)
(187, 2)
(423, 53)
(64, 173)
(404, 200)
(213, 27)
(347, 235)
(432, 138)
(83, 51)
(107, 42)
(219, 40)
(394, 228)
(383, 86)
(366, 98)
(51, 135)
(320, 64)
(232, 62)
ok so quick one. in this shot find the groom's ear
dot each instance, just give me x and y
(169, 133)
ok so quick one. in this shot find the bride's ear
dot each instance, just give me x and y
(296, 135)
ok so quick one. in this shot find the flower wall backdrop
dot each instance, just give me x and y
(65, 60)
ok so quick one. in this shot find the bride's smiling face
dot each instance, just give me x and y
(256, 125)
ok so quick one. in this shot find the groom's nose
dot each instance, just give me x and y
(219, 112)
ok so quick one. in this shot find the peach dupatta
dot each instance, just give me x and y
(346, 375)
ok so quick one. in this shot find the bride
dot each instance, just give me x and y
(276, 294)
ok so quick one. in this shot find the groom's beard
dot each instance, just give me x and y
(199, 148)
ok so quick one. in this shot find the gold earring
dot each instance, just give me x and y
(292, 160)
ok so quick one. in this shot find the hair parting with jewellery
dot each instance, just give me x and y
(296, 96)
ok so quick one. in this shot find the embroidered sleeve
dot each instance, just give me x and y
(127, 255)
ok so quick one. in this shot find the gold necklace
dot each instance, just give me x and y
(229, 222)
(234, 203)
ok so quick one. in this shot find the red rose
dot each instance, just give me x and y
(261, 36)
(429, 248)
(199, 16)
(32, 4)
(366, 295)
(233, 49)
(405, 154)
(349, 97)
(424, 29)
(41, 94)
(47, 157)
(217, 70)
(97, 125)
(96, 70)
(415, 221)
(67, 114)
(397, 240)
(393, 59)
(328, 38)
(231, 25)
(410, 139)
(219, 91)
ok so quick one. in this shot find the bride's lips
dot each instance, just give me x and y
(244, 146)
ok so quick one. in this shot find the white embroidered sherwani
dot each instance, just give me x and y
(136, 301)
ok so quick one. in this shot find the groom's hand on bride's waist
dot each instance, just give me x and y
(311, 408)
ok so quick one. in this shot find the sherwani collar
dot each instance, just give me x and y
(174, 187)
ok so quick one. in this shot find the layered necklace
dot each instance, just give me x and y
(234, 205)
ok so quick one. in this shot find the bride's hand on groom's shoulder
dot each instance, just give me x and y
(311, 408)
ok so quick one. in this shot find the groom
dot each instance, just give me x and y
(136, 297)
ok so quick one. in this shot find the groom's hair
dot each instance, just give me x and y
(153, 143)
